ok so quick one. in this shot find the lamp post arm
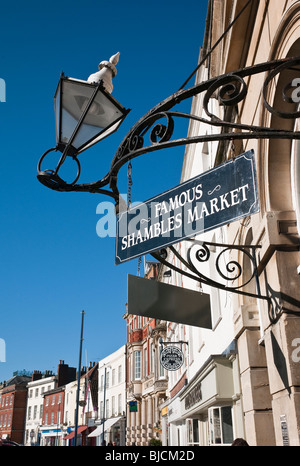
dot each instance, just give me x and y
(230, 89)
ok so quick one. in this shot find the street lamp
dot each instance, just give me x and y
(85, 113)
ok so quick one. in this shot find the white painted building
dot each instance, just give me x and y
(112, 399)
(204, 396)
(35, 400)
(87, 409)
(70, 405)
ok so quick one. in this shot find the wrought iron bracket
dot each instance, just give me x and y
(158, 126)
(159, 123)
(180, 342)
(227, 264)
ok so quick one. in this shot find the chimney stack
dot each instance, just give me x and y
(36, 375)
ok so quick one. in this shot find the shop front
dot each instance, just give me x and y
(51, 437)
(203, 413)
(113, 430)
(82, 431)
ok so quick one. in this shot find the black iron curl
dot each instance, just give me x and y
(135, 142)
(203, 253)
(233, 90)
(162, 133)
(232, 267)
(272, 75)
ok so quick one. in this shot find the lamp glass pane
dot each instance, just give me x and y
(102, 114)
(75, 97)
(104, 134)
(57, 112)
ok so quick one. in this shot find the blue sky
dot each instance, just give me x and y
(53, 264)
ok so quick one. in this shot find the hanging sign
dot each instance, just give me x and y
(132, 406)
(171, 358)
(217, 197)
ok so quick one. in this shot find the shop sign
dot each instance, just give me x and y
(171, 358)
(284, 431)
(165, 411)
(194, 396)
(132, 406)
(217, 197)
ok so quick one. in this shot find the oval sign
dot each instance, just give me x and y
(171, 358)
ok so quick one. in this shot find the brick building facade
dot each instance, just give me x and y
(13, 408)
(146, 379)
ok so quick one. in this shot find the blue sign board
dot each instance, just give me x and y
(132, 406)
(217, 197)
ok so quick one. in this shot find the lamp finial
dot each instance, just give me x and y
(107, 71)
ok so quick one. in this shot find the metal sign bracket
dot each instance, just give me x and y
(228, 263)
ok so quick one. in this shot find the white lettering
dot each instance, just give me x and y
(224, 202)
(243, 188)
(234, 196)
(164, 209)
(130, 240)
(2, 90)
(193, 216)
(2, 350)
(106, 225)
(182, 199)
(124, 243)
(204, 210)
(213, 205)
(296, 93)
(199, 192)
(156, 229)
(138, 233)
(148, 233)
(173, 204)
(296, 352)
(157, 209)
(178, 220)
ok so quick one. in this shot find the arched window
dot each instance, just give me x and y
(281, 170)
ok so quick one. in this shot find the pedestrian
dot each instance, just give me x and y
(239, 442)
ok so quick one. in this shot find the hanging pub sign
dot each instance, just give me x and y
(132, 406)
(171, 358)
(217, 197)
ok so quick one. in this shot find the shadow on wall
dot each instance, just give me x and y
(280, 363)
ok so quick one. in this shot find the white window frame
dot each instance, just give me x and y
(216, 432)
(137, 365)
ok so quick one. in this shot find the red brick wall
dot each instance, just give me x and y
(17, 411)
(50, 407)
(178, 386)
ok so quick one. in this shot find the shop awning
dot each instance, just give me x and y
(107, 424)
(150, 298)
(80, 429)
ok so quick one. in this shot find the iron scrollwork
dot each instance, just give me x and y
(159, 123)
(230, 89)
(232, 268)
(228, 272)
